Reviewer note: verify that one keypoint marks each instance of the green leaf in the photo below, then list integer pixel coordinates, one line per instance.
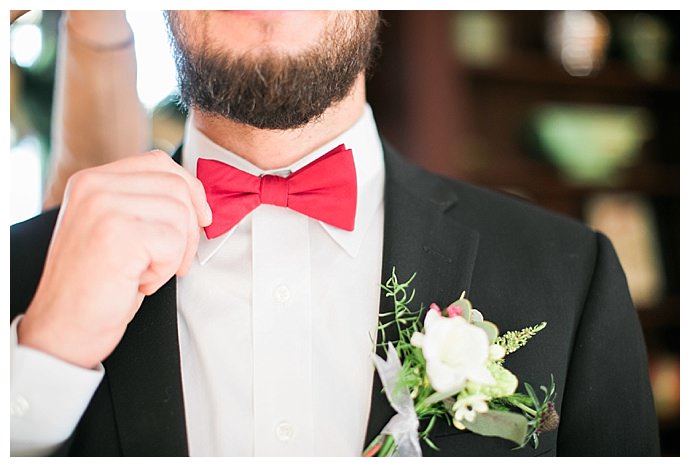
(507, 425)
(489, 328)
(535, 400)
(431, 444)
(439, 396)
(465, 306)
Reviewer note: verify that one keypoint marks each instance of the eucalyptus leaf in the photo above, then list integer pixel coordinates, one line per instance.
(465, 306)
(490, 329)
(477, 316)
(507, 425)
(439, 396)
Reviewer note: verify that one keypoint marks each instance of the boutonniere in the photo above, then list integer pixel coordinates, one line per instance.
(451, 368)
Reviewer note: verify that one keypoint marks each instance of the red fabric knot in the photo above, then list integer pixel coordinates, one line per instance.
(325, 190)
(274, 190)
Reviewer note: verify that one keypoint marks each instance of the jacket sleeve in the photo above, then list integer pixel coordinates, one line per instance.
(607, 407)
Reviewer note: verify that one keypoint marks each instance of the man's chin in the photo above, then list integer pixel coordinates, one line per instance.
(270, 91)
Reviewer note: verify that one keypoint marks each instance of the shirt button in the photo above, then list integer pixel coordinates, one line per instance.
(19, 406)
(281, 294)
(284, 431)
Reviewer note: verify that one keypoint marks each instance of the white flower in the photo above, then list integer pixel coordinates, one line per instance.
(468, 407)
(455, 352)
(496, 352)
(417, 339)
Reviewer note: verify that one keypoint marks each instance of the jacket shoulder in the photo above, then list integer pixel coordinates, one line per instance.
(488, 211)
(494, 208)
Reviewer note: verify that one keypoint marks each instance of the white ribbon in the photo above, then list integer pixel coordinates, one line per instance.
(404, 425)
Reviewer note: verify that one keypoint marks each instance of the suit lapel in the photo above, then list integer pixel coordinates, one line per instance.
(420, 236)
(145, 380)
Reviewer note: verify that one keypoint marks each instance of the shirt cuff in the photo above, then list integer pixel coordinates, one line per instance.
(48, 396)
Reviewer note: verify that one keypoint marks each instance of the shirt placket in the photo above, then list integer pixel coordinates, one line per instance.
(281, 330)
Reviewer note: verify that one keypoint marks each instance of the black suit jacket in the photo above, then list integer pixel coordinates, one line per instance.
(519, 265)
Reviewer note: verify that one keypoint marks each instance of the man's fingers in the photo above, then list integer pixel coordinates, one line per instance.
(155, 161)
(144, 184)
(154, 232)
(166, 250)
(123, 231)
(145, 188)
(192, 247)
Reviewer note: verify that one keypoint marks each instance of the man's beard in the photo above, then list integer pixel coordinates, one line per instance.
(272, 91)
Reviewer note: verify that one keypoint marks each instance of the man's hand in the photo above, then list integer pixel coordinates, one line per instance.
(100, 28)
(124, 230)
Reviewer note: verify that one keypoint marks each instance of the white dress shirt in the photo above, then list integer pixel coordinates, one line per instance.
(276, 320)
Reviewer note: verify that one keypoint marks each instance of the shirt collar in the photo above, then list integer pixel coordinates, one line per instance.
(362, 138)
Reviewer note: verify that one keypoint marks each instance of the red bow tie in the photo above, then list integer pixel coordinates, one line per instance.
(325, 190)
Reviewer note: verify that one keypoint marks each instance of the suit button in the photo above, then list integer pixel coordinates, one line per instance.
(284, 431)
(19, 406)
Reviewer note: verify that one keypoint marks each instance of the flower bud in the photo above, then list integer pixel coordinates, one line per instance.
(549, 419)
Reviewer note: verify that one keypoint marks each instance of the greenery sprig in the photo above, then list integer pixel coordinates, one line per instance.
(513, 340)
(484, 400)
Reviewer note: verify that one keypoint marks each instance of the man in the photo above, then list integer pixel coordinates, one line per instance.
(253, 337)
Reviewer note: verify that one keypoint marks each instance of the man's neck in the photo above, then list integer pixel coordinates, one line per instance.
(274, 149)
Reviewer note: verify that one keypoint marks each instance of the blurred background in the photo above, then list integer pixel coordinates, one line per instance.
(577, 111)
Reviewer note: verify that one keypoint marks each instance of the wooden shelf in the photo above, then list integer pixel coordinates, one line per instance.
(539, 70)
(664, 314)
(542, 179)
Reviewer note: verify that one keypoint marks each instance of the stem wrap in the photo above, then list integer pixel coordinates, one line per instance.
(404, 425)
